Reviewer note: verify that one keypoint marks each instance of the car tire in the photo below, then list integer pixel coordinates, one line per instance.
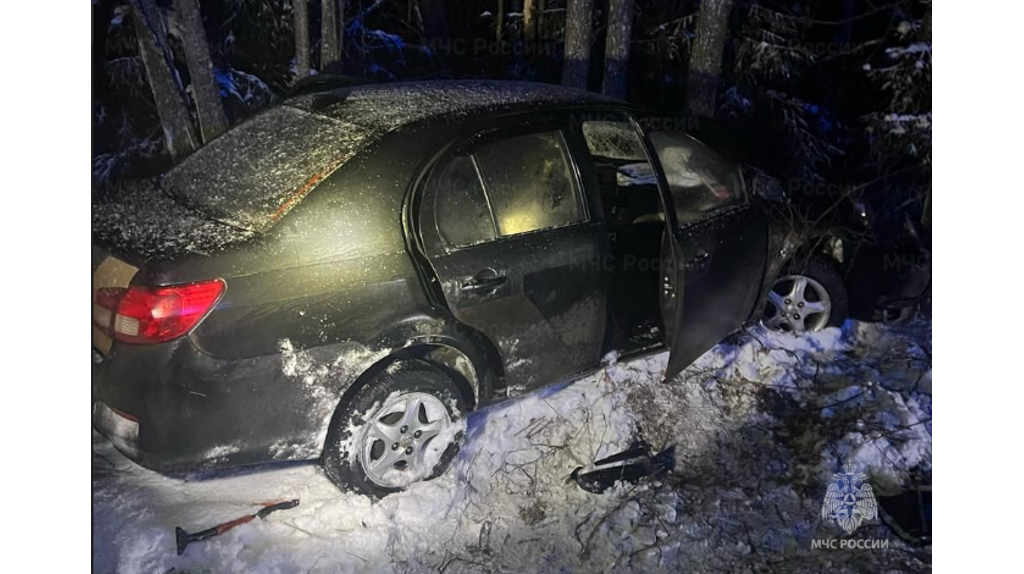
(787, 301)
(356, 454)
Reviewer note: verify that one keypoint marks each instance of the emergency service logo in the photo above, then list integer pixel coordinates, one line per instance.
(849, 500)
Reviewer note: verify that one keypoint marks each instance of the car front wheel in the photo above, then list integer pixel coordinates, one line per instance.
(404, 426)
(810, 299)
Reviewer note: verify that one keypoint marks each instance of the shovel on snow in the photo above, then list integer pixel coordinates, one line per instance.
(184, 538)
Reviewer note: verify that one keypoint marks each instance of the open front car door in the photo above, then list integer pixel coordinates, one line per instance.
(714, 248)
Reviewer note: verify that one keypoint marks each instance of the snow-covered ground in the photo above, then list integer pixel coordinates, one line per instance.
(760, 424)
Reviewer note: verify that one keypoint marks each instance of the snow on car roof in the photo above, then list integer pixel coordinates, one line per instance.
(256, 172)
(389, 106)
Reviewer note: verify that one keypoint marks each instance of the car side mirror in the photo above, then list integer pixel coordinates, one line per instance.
(768, 188)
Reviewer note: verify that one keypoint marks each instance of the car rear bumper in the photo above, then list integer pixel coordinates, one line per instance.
(122, 430)
(172, 408)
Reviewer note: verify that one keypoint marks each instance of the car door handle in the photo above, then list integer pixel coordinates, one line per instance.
(484, 282)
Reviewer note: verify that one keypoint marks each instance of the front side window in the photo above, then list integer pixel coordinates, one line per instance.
(513, 186)
(628, 184)
(700, 180)
(614, 140)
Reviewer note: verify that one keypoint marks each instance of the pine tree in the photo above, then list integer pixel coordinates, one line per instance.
(902, 130)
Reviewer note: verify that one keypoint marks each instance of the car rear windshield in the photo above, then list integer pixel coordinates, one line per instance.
(259, 170)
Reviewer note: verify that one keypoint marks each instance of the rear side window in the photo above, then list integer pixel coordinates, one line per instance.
(530, 184)
(506, 188)
(461, 207)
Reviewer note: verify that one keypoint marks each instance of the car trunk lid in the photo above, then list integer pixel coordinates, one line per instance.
(141, 225)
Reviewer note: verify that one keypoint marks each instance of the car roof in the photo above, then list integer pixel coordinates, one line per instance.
(385, 107)
(256, 172)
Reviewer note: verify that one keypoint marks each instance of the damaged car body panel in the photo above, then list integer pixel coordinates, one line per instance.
(427, 241)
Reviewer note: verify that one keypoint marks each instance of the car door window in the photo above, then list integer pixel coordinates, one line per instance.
(700, 180)
(530, 183)
(627, 183)
(513, 186)
(462, 215)
(615, 139)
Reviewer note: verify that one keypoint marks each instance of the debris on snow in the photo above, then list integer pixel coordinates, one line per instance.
(760, 423)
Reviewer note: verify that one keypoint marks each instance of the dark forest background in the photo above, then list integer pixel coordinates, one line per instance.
(833, 97)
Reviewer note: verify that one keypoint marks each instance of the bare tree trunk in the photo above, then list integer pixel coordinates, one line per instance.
(435, 18)
(577, 43)
(926, 25)
(415, 17)
(530, 21)
(847, 15)
(210, 110)
(616, 51)
(300, 21)
(499, 22)
(706, 57)
(329, 52)
(341, 30)
(179, 134)
(541, 8)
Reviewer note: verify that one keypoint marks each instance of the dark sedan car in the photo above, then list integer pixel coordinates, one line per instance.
(346, 275)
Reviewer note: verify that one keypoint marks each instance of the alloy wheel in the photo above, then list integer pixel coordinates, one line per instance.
(797, 303)
(405, 439)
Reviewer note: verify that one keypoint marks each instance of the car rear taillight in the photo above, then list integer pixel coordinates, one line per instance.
(147, 315)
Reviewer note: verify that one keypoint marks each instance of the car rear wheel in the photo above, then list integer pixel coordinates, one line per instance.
(403, 426)
(808, 300)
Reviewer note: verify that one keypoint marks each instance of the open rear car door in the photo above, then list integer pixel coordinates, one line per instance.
(714, 248)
